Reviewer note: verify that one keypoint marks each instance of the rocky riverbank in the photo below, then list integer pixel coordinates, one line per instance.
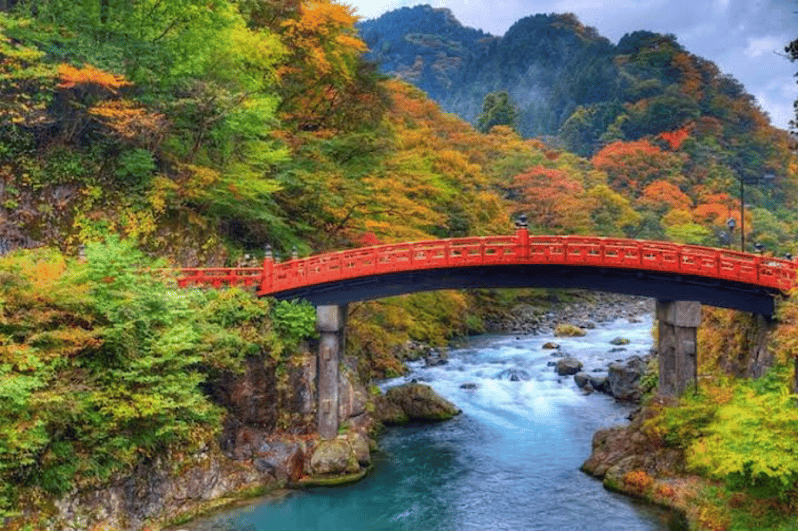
(269, 443)
(581, 309)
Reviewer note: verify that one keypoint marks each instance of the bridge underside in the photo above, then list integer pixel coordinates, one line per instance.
(662, 286)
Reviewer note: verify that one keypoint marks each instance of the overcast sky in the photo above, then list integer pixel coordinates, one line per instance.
(743, 37)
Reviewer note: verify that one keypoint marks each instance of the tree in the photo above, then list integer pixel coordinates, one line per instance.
(631, 166)
(497, 109)
(554, 200)
(792, 50)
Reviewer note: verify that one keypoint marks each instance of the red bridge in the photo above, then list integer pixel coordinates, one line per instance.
(667, 271)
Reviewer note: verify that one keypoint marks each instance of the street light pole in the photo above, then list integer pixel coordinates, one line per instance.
(731, 224)
(742, 214)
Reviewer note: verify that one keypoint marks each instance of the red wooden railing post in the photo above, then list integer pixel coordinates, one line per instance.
(522, 236)
(266, 279)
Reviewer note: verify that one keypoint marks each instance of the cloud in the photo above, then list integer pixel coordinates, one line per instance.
(758, 46)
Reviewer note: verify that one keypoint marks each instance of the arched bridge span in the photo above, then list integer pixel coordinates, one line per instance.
(666, 271)
(677, 275)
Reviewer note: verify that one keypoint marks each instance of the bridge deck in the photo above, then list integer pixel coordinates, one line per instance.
(734, 268)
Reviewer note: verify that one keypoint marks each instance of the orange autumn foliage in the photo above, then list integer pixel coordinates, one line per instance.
(664, 196)
(131, 121)
(631, 166)
(675, 139)
(552, 198)
(70, 77)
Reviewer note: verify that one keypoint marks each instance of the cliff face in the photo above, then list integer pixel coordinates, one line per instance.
(268, 442)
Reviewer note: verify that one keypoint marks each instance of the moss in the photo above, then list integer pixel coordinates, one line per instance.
(568, 330)
(331, 481)
(219, 504)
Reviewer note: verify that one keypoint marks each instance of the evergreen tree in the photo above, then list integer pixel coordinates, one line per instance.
(792, 50)
(497, 109)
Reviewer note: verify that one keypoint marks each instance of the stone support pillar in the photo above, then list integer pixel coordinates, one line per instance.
(678, 364)
(331, 325)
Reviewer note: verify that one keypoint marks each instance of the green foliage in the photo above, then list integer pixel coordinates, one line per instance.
(744, 432)
(294, 320)
(497, 109)
(101, 364)
(135, 166)
(753, 443)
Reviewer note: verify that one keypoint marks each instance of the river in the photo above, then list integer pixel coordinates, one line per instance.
(509, 462)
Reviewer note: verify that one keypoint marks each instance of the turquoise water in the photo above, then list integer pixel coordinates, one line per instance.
(509, 462)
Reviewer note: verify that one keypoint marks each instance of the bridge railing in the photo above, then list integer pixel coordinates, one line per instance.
(520, 248)
(218, 277)
(432, 254)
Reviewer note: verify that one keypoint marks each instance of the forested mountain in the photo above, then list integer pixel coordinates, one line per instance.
(661, 122)
(548, 63)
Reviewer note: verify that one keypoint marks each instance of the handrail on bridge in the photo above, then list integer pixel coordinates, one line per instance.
(519, 249)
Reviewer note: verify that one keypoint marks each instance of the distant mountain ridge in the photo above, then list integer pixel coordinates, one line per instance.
(566, 79)
(425, 46)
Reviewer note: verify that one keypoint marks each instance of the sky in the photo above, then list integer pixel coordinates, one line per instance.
(745, 38)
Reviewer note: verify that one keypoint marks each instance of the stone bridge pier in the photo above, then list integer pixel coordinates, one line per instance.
(331, 325)
(676, 345)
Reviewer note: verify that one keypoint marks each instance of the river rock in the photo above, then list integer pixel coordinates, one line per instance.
(332, 457)
(623, 379)
(283, 459)
(598, 382)
(420, 402)
(468, 385)
(581, 379)
(435, 357)
(360, 447)
(389, 412)
(514, 375)
(568, 330)
(568, 366)
(620, 341)
(412, 350)
(550, 345)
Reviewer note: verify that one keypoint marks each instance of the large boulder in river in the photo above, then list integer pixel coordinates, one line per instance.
(568, 366)
(623, 380)
(420, 402)
(334, 456)
(435, 357)
(389, 412)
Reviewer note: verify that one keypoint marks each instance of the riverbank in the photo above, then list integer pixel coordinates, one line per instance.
(253, 462)
(510, 461)
(584, 309)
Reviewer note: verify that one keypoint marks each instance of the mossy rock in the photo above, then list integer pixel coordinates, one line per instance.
(330, 480)
(420, 402)
(333, 457)
(620, 341)
(388, 412)
(568, 330)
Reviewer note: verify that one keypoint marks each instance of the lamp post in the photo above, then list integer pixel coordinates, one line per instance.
(765, 179)
(731, 223)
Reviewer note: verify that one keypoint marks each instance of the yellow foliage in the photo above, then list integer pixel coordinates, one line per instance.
(638, 481)
(130, 121)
